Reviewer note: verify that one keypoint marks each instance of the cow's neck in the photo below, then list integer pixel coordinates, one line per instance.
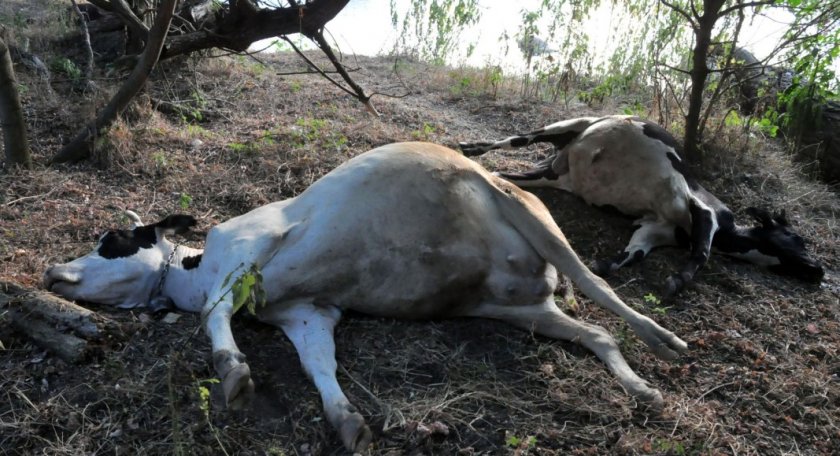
(186, 287)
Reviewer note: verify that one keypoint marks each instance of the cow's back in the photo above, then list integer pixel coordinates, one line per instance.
(613, 163)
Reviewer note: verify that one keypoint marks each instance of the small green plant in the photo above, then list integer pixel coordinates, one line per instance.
(243, 148)
(204, 395)
(295, 86)
(424, 132)
(308, 131)
(523, 443)
(732, 119)
(204, 404)
(197, 131)
(668, 447)
(657, 308)
(495, 78)
(247, 289)
(159, 158)
(184, 201)
(66, 67)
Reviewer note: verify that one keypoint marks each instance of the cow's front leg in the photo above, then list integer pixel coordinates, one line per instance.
(704, 225)
(649, 235)
(310, 328)
(228, 361)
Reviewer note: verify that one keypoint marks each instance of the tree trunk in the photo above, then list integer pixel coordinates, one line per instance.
(699, 73)
(71, 332)
(80, 147)
(11, 114)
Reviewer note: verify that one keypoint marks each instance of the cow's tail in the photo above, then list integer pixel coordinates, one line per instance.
(560, 134)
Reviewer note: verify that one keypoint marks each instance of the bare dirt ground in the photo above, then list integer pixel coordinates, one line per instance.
(761, 376)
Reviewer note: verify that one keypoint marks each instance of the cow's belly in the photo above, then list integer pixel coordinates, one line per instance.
(633, 187)
(442, 275)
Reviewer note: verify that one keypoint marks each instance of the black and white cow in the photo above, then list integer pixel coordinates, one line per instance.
(634, 165)
(409, 230)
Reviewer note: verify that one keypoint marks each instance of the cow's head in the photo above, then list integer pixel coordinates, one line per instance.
(125, 266)
(775, 239)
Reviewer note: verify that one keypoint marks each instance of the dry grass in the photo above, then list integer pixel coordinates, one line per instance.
(761, 376)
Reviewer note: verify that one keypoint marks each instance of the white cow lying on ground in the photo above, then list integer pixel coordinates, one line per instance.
(634, 165)
(409, 230)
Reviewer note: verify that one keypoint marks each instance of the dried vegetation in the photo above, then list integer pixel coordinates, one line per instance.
(761, 376)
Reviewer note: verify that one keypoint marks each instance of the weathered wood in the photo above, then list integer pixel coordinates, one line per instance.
(66, 329)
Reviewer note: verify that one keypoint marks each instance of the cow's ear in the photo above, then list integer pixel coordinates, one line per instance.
(761, 216)
(175, 224)
(134, 218)
(781, 218)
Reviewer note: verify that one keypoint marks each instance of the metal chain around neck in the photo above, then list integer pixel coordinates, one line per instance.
(159, 290)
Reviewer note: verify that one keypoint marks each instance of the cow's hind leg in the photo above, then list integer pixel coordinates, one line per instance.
(551, 172)
(649, 235)
(560, 134)
(548, 320)
(310, 328)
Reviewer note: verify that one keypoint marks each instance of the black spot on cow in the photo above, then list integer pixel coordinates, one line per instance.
(654, 131)
(124, 243)
(177, 224)
(519, 141)
(681, 237)
(534, 174)
(559, 140)
(191, 262)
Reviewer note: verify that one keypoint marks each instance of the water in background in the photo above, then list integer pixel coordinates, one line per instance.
(364, 27)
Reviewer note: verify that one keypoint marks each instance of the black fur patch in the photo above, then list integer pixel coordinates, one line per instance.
(534, 174)
(191, 262)
(178, 223)
(124, 243)
(519, 141)
(559, 140)
(654, 131)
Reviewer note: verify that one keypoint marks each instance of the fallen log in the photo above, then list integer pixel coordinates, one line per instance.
(68, 330)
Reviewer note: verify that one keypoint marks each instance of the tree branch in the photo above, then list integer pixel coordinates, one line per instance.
(243, 26)
(318, 37)
(680, 70)
(680, 11)
(12, 122)
(79, 147)
(134, 23)
(742, 6)
(88, 82)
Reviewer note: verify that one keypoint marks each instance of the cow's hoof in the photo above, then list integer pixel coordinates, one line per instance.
(603, 268)
(663, 343)
(673, 285)
(651, 400)
(238, 387)
(355, 434)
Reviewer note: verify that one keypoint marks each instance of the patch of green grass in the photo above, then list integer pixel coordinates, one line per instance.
(160, 160)
(184, 201)
(65, 66)
(318, 132)
(424, 132)
(528, 442)
(656, 304)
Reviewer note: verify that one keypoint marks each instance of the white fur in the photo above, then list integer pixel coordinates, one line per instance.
(407, 230)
